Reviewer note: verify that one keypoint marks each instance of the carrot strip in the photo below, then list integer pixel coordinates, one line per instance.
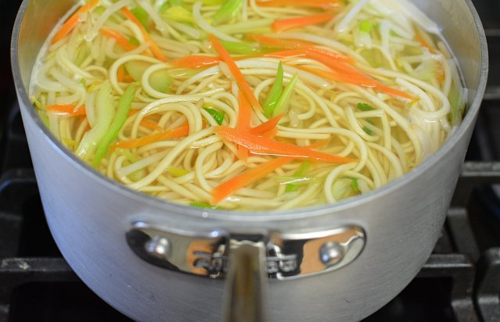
(261, 145)
(227, 188)
(196, 61)
(238, 76)
(73, 21)
(121, 40)
(152, 138)
(393, 91)
(66, 110)
(151, 125)
(280, 43)
(121, 74)
(288, 53)
(425, 44)
(268, 126)
(285, 24)
(153, 46)
(301, 3)
(243, 123)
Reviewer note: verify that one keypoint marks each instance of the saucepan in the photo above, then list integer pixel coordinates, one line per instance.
(154, 260)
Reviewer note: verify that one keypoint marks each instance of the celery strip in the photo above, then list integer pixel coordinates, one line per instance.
(205, 206)
(105, 112)
(179, 14)
(141, 15)
(228, 11)
(365, 107)
(274, 93)
(302, 170)
(285, 98)
(241, 48)
(124, 106)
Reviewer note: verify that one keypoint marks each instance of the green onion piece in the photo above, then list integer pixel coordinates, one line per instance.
(141, 15)
(366, 26)
(285, 98)
(124, 106)
(302, 170)
(367, 130)
(218, 116)
(228, 11)
(177, 172)
(354, 185)
(365, 107)
(205, 206)
(274, 93)
(241, 48)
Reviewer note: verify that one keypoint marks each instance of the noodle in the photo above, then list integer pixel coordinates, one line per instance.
(374, 87)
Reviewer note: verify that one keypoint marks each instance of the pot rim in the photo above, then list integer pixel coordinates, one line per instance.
(242, 215)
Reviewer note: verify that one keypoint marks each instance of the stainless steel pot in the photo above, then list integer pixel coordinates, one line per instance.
(337, 262)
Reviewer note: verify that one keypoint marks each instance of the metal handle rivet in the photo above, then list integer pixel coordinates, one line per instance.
(158, 247)
(331, 253)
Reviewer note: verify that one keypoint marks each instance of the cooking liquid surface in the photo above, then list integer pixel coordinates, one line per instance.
(146, 96)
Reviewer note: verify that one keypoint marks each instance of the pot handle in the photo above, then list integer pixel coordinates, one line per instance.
(246, 282)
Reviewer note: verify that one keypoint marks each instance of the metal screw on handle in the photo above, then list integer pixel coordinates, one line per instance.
(246, 281)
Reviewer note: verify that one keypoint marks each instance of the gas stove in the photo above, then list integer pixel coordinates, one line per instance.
(459, 282)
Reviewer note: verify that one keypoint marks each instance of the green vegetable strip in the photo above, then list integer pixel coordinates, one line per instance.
(354, 185)
(366, 26)
(104, 116)
(365, 107)
(274, 93)
(142, 16)
(285, 98)
(241, 48)
(228, 11)
(177, 172)
(204, 206)
(218, 116)
(124, 106)
(301, 171)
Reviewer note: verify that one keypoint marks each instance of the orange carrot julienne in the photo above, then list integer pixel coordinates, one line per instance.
(268, 126)
(265, 146)
(154, 48)
(66, 110)
(121, 74)
(280, 43)
(285, 24)
(424, 43)
(393, 92)
(152, 138)
(338, 66)
(151, 125)
(301, 3)
(238, 76)
(121, 40)
(287, 53)
(196, 61)
(243, 122)
(73, 21)
(227, 188)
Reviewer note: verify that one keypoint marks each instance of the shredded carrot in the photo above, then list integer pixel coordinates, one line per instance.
(301, 3)
(285, 24)
(425, 44)
(196, 61)
(334, 64)
(243, 124)
(121, 74)
(73, 21)
(238, 76)
(151, 125)
(227, 188)
(265, 146)
(121, 40)
(280, 43)
(66, 110)
(268, 126)
(393, 92)
(330, 54)
(152, 138)
(153, 46)
(288, 53)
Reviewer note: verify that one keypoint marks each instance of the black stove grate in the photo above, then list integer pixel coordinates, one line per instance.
(460, 281)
